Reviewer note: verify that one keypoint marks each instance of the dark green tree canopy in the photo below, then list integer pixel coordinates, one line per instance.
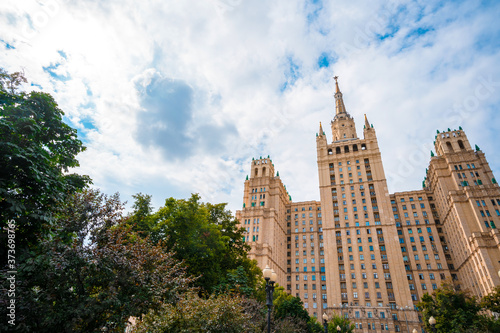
(454, 310)
(93, 272)
(205, 236)
(37, 149)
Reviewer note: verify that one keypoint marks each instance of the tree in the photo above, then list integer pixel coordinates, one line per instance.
(222, 313)
(93, 271)
(140, 218)
(491, 301)
(341, 321)
(454, 310)
(37, 149)
(207, 237)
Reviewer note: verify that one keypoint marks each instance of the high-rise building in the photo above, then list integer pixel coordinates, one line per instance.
(367, 254)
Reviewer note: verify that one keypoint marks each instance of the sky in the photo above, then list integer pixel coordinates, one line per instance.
(176, 97)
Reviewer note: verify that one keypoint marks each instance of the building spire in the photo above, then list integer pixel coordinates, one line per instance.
(339, 102)
(320, 129)
(367, 124)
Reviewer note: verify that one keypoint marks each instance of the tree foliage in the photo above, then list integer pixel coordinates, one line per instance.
(491, 301)
(341, 321)
(454, 310)
(207, 237)
(93, 271)
(222, 313)
(37, 149)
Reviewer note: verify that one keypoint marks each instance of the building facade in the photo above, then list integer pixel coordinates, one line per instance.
(363, 252)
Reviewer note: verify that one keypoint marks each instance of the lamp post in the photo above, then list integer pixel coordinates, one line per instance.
(339, 329)
(270, 277)
(325, 322)
(432, 322)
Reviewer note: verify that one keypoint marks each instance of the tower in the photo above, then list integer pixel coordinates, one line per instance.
(468, 201)
(364, 266)
(263, 216)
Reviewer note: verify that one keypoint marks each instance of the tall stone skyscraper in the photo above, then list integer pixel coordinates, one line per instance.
(367, 254)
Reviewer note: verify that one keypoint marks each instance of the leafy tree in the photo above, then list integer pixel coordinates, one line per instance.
(236, 281)
(222, 313)
(292, 307)
(93, 271)
(140, 218)
(37, 149)
(454, 310)
(314, 326)
(344, 323)
(290, 325)
(207, 237)
(492, 301)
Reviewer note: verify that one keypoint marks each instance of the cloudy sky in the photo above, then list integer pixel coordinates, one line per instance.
(176, 97)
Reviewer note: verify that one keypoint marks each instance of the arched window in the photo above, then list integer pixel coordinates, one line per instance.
(337, 150)
(330, 152)
(256, 172)
(346, 149)
(461, 144)
(354, 147)
(449, 146)
(363, 146)
(263, 171)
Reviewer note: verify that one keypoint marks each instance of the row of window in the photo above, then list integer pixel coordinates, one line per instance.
(415, 214)
(408, 222)
(469, 166)
(313, 269)
(429, 266)
(487, 213)
(304, 237)
(374, 266)
(364, 275)
(248, 221)
(321, 253)
(303, 209)
(312, 260)
(362, 257)
(306, 286)
(372, 326)
(338, 150)
(311, 229)
(338, 233)
(403, 200)
(305, 277)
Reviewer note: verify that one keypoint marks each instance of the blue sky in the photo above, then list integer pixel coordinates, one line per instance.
(176, 97)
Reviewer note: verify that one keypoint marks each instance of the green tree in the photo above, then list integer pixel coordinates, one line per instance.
(454, 310)
(37, 149)
(140, 218)
(207, 238)
(222, 313)
(491, 301)
(93, 271)
(341, 321)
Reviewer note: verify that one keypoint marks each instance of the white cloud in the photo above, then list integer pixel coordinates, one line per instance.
(406, 64)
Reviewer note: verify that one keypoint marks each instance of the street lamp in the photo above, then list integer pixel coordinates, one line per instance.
(338, 328)
(270, 277)
(432, 322)
(325, 322)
